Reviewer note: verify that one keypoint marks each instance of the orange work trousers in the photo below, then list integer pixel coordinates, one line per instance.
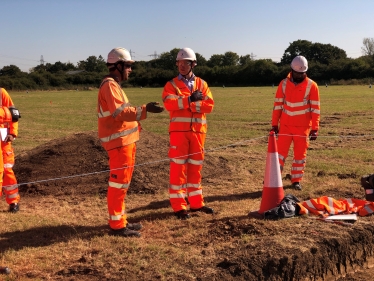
(121, 164)
(186, 153)
(299, 137)
(10, 186)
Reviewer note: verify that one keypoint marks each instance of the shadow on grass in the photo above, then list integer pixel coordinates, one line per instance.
(208, 199)
(45, 236)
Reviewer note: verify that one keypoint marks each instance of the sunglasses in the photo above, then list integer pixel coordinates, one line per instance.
(125, 65)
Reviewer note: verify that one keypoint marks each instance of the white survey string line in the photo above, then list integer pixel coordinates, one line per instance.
(167, 159)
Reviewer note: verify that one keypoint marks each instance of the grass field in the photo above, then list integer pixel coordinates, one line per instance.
(169, 249)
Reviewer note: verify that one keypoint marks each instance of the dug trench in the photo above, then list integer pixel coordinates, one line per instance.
(301, 248)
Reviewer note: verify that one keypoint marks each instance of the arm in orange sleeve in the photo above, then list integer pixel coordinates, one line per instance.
(206, 105)
(172, 99)
(315, 106)
(7, 101)
(278, 106)
(119, 106)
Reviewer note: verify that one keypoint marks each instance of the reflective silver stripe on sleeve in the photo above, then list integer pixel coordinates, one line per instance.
(180, 103)
(119, 134)
(102, 113)
(278, 107)
(198, 105)
(8, 165)
(316, 111)
(118, 185)
(120, 109)
(138, 113)
(278, 99)
(314, 102)
(302, 161)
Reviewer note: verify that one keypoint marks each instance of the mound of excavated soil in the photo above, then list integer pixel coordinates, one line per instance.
(77, 164)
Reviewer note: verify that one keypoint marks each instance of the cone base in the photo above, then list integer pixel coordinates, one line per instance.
(271, 198)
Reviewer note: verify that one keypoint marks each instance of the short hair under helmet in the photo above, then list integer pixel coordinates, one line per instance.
(119, 54)
(299, 64)
(186, 54)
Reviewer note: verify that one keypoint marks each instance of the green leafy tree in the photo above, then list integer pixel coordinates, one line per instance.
(215, 60)
(230, 59)
(11, 70)
(317, 52)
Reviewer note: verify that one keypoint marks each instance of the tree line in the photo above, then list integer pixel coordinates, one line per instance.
(327, 65)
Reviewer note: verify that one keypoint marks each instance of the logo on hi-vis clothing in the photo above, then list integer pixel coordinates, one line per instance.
(113, 176)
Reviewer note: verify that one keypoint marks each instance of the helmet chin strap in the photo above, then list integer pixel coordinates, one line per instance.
(121, 71)
(188, 71)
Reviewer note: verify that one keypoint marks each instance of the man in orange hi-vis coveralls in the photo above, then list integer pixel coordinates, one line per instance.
(10, 187)
(188, 99)
(296, 116)
(118, 130)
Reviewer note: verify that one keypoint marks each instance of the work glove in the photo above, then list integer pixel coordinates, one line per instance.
(275, 130)
(195, 96)
(154, 107)
(313, 135)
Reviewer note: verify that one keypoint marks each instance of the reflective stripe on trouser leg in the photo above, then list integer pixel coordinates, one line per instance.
(121, 164)
(194, 167)
(301, 144)
(10, 186)
(178, 152)
(283, 143)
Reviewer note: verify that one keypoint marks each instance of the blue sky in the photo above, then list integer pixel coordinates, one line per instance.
(73, 30)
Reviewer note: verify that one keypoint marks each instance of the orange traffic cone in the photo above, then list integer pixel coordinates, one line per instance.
(272, 192)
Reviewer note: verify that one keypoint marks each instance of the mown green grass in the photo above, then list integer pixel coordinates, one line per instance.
(171, 249)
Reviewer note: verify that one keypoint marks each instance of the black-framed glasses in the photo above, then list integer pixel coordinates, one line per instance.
(127, 65)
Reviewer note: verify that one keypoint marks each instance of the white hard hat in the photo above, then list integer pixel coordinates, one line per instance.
(186, 54)
(299, 64)
(119, 54)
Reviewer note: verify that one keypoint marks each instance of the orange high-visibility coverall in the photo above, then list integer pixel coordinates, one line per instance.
(10, 186)
(297, 111)
(325, 206)
(118, 132)
(5, 118)
(187, 130)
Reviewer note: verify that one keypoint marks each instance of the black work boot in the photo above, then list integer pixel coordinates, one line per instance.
(125, 232)
(182, 215)
(204, 209)
(134, 226)
(296, 185)
(14, 207)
